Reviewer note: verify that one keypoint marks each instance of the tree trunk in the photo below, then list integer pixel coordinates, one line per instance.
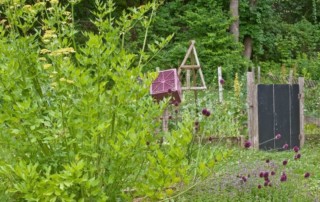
(247, 46)
(234, 28)
(248, 41)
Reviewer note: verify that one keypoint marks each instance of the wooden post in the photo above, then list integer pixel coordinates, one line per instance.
(254, 74)
(259, 74)
(195, 92)
(165, 120)
(301, 98)
(220, 84)
(188, 78)
(290, 77)
(252, 110)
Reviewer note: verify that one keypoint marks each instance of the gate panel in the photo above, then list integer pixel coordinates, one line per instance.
(265, 114)
(278, 113)
(295, 116)
(282, 115)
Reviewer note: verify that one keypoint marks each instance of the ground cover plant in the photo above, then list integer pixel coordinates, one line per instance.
(263, 176)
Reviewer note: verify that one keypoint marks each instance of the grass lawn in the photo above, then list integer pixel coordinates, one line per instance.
(237, 178)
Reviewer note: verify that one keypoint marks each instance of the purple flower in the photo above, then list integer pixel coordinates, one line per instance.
(196, 123)
(206, 112)
(266, 184)
(247, 144)
(273, 173)
(259, 186)
(221, 81)
(297, 156)
(244, 178)
(285, 162)
(306, 175)
(170, 117)
(278, 136)
(169, 90)
(285, 146)
(261, 174)
(266, 175)
(267, 161)
(283, 177)
(210, 139)
(296, 149)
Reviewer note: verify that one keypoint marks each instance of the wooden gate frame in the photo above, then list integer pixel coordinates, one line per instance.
(252, 103)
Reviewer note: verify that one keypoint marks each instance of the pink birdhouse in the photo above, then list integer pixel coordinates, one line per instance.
(167, 84)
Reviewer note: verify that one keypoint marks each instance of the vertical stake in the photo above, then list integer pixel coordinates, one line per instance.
(259, 75)
(220, 85)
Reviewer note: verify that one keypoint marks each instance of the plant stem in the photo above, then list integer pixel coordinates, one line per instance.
(146, 34)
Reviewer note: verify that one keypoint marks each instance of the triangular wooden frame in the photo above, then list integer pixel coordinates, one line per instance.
(194, 68)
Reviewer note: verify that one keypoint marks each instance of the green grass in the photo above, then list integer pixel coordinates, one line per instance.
(224, 185)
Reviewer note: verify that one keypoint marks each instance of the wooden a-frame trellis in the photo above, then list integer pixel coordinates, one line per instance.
(193, 69)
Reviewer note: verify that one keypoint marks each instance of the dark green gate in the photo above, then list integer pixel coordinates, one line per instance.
(278, 112)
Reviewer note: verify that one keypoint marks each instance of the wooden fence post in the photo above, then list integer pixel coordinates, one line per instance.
(165, 120)
(290, 77)
(259, 74)
(252, 110)
(220, 84)
(301, 102)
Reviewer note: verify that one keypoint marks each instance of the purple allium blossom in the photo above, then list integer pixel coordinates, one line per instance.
(221, 81)
(306, 175)
(206, 112)
(210, 139)
(267, 161)
(273, 173)
(283, 177)
(297, 156)
(296, 149)
(170, 117)
(247, 144)
(261, 174)
(244, 178)
(285, 162)
(266, 175)
(285, 146)
(266, 183)
(259, 186)
(278, 136)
